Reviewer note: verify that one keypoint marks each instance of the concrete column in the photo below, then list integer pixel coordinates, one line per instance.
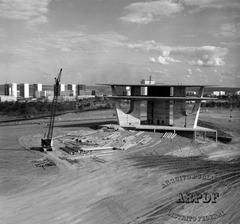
(198, 106)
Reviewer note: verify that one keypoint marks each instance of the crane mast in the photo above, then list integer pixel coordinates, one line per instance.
(47, 142)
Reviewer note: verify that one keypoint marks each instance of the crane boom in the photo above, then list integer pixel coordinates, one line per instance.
(47, 140)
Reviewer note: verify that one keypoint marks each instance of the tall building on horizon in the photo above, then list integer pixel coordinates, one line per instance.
(62, 87)
(10, 89)
(72, 87)
(80, 88)
(37, 88)
(24, 90)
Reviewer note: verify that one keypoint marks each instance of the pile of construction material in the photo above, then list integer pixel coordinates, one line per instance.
(104, 141)
(70, 150)
(86, 143)
(136, 139)
(128, 142)
(145, 140)
(43, 163)
(169, 135)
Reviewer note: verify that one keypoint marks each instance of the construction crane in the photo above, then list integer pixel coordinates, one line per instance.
(47, 142)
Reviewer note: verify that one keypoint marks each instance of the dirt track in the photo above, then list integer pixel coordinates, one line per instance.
(130, 187)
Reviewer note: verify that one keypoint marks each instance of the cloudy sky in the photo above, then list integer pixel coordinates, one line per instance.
(97, 41)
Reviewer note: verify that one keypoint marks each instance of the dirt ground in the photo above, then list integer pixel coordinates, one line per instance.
(141, 185)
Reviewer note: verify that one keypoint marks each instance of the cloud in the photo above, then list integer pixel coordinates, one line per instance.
(189, 71)
(164, 60)
(170, 59)
(2, 33)
(37, 21)
(231, 44)
(68, 49)
(146, 12)
(198, 5)
(77, 41)
(31, 11)
(214, 61)
(198, 70)
(230, 30)
(145, 45)
(152, 59)
(194, 6)
(201, 56)
(209, 56)
(91, 53)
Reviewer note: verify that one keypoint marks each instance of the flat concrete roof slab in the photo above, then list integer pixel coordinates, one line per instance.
(161, 98)
(169, 128)
(151, 85)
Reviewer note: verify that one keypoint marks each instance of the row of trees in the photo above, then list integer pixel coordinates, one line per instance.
(222, 104)
(32, 109)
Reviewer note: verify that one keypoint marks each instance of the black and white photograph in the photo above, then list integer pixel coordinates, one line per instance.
(119, 111)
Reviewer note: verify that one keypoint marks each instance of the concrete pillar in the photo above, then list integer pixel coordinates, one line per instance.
(198, 107)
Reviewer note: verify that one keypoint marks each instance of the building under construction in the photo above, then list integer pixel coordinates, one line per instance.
(165, 108)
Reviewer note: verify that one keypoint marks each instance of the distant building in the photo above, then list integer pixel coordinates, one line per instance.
(85, 97)
(79, 88)
(47, 87)
(219, 93)
(62, 87)
(24, 90)
(66, 98)
(128, 89)
(36, 89)
(66, 93)
(10, 89)
(85, 93)
(4, 98)
(145, 82)
(237, 93)
(42, 94)
(49, 98)
(49, 93)
(191, 93)
(72, 87)
(148, 82)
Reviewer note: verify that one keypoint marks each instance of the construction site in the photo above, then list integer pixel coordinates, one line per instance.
(105, 141)
(119, 166)
(165, 104)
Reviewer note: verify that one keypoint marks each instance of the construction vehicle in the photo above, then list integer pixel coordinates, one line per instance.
(47, 141)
